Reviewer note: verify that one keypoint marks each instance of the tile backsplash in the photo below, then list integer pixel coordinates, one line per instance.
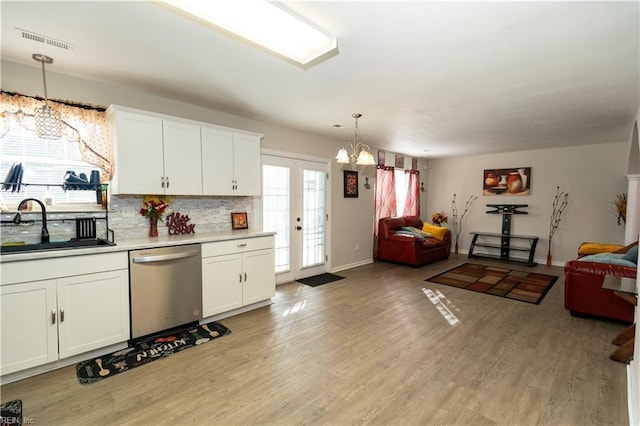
(209, 214)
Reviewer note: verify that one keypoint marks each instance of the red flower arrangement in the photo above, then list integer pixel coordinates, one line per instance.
(439, 217)
(154, 208)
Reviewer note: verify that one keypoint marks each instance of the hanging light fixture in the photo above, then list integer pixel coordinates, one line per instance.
(48, 121)
(360, 152)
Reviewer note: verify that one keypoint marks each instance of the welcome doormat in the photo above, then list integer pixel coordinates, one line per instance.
(11, 412)
(525, 286)
(143, 352)
(317, 280)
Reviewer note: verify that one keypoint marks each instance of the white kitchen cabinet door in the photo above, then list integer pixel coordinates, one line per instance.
(138, 154)
(221, 284)
(217, 162)
(230, 163)
(246, 164)
(28, 335)
(259, 276)
(182, 168)
(93, 311)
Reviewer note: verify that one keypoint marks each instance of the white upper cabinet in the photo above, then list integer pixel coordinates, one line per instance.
(181, 147)
(239, 173)
(156, 154)
(217, 176)
(138, 153)
(246, 164)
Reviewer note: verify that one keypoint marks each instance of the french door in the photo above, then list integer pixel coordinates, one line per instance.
(294, 205)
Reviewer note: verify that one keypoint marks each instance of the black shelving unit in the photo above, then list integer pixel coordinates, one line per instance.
(505, 243)
(101, 199)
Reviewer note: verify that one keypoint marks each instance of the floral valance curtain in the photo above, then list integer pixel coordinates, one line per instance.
(87, 126)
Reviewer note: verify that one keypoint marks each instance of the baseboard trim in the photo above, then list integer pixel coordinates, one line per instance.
(45, 368)
(352, 265)
(538, 261)
(237, 311)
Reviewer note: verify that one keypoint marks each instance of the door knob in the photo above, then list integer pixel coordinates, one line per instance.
(299, 228)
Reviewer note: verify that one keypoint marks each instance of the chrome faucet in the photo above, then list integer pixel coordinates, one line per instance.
(44, 235)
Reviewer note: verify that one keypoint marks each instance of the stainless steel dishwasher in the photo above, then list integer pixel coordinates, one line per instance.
(166, 288)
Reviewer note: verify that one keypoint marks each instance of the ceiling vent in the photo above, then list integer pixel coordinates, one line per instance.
(42, 39)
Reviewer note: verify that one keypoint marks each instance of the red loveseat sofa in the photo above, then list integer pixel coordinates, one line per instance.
(402, 248)
(584, 295)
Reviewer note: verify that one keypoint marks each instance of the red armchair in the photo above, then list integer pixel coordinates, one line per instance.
(584, 295)
(406, 249)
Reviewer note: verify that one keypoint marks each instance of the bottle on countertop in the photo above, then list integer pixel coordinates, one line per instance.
(48, 198)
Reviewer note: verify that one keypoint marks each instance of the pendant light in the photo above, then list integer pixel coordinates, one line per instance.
(48, 121)
(360, 152)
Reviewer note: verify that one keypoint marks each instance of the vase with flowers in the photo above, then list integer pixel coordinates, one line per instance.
(153, 208)
(439, 218)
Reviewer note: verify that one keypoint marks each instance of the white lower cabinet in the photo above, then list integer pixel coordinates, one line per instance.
(29, 332)
(237, 273)
(93, 311)
(51, 319)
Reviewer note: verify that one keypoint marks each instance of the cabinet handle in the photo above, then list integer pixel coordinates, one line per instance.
(245, 277)
(162, 181)
(240, 278)
(61, 314)
(241, 245)
(53, 316)
(167, 182)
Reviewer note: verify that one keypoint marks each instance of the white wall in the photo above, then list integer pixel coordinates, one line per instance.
(591, 174)
(633, 370)
(351, 218)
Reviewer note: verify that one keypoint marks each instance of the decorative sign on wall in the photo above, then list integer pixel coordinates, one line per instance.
(350, 184)
(399, 161)
(177, 224)
(514, 181)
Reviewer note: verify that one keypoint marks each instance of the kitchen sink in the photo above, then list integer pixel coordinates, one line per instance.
(56, 245)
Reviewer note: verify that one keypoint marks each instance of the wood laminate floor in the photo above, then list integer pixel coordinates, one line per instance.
(372, 348)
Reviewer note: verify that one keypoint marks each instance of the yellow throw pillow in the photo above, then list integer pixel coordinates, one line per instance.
(437, 231)
(421, 232)
(595, 248)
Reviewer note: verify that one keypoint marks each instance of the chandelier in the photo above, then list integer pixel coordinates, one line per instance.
(48, 122)
(360, 152)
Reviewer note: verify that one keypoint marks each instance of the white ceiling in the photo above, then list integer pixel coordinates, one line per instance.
(431, 79)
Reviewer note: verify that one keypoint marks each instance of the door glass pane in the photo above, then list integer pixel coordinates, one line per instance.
(276, 211)
(313, 222)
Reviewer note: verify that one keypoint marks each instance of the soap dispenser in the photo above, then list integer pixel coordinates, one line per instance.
(48, 198)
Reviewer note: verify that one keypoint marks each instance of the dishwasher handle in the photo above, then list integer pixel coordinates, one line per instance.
(163, 257)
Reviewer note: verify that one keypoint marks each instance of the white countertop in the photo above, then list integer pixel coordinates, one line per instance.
(124, 244)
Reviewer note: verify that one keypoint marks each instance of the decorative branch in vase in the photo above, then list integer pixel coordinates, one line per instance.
(559, 204)
(458, 224)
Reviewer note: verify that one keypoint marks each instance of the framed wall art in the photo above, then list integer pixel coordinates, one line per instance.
(513, 181)
(350, 184)
(239, 221)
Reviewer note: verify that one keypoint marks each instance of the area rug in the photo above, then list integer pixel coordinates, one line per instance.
(11, 412)
(514, 284)
(317, 280)
(143, 352)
